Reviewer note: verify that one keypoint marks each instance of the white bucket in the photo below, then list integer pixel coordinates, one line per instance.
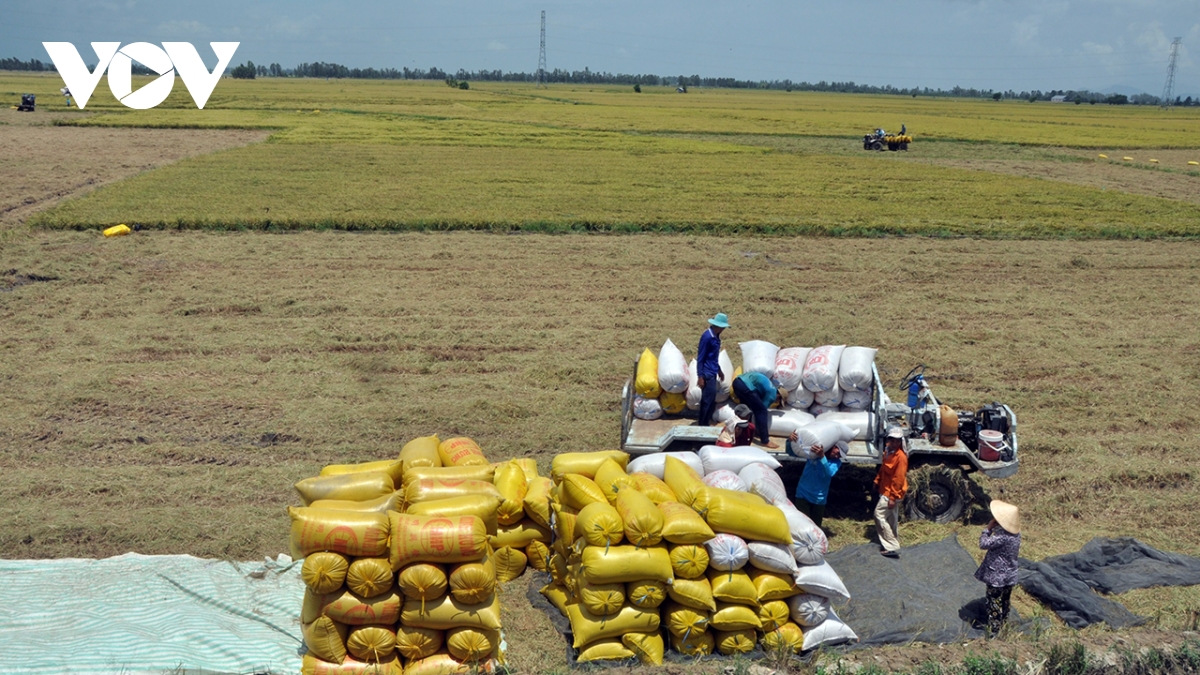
(991, 444)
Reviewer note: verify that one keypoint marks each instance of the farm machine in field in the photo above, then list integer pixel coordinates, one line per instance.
(881, 140)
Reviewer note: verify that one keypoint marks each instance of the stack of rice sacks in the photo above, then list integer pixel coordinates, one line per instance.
(402, 557)
(832, 383)
(668, 384)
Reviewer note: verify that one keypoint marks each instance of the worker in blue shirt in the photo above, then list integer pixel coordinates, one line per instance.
(708, 367)
(813, 489)
(757, 391)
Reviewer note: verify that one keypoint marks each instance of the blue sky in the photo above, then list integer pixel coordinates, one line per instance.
(988, 44)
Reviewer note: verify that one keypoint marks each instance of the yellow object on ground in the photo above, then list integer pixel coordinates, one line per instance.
(1127, 159)
(735, 587)
(529, 466)
(600, 525)
(520, 535)
(587, 627)
(1193, 163)
(537, 500)
(472, 583)
(611, 649)
(356, 610)
(482, 506)
(682, 525)
(510, 563)
(538, 553)
(117, 230)
(648, 647)
(643, 520)
(417, 643)
(620, 564)
(461, 451)
(789, 637)
(686, 485)
(745, 515)
(695, 644)
(432, 489)
(672, 404)
(388, 502)
(683, 620)
(584, 463)
(438, 664)
(436, 540)
(578, 491)
(510, 481)
(483, 472)
(325, 639)
(558, 596)
(369, 576)
(773, 585)
(422, 581)
(447, 612)
(652, 487)
(311, 665)
(324, 572)
(646, 594)
(730, 617)
(421, 452)
(355, 487)
(392, 467)
(371, 643)
(694, 593)
(311, 606)
(735, 641)
(646, 383)
(611, 479)
(565, 524)
(1103, 156)
(773, 614)
(471, 644)
(602, 599)
(347, 532)
(689, 561)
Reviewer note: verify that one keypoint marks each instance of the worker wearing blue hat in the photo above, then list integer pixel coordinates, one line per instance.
(708, 366)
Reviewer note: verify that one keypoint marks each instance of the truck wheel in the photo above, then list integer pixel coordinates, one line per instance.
(937, 494)
(877, 146)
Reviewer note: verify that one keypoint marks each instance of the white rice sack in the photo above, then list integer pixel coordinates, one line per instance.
(823, 433)
(854, 370)
(829, 397)
(789, 364)
(799, 399)
(758, 356)
(831, 631)
(647, 408)
(809, 543)
(771, 557)
(821, 580)
(734, 459)
(654, 464)
(727, 381)
(727, 552)
(723, 478)
(764, 482)
(784, 422)
(856, 400)
(807, 609)
(860, 422)
(820, 368)
(722, 415)
(816, 409)
(672, 369)
(694, 392)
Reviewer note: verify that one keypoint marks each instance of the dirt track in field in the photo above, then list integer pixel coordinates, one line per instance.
(45, 164)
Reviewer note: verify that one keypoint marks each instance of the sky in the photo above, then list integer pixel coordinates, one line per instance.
(986, 44)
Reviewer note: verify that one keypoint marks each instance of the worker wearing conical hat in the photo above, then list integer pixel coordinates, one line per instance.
(1002, 541)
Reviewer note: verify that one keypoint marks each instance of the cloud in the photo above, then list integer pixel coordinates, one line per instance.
(1026, 30)
(184, 30)
(1093, 48)
(497, 46)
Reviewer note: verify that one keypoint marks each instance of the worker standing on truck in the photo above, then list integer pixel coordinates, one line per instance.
(756, 391)
(708, 366)
(892, 483)
(813, 489)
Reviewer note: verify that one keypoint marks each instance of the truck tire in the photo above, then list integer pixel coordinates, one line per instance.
(877, 146)
(937, 494)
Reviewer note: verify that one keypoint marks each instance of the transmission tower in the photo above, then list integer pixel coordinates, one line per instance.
(541, 74)
(1169, 87)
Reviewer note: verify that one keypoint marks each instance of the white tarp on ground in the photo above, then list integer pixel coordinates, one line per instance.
(150, 614)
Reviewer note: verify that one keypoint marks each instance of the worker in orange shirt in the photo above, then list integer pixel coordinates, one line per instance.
(892, 483)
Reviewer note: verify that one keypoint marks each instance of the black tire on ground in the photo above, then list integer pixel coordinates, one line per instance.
(936, 493)
(877, 146)
(904, 147)
(893, 146)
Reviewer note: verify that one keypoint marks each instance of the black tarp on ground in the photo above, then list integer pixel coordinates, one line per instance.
(1071, 599)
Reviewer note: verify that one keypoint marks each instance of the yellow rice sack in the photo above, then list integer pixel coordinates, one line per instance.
(588, 627)
(735, 641)
(734, 587)
(422, 581)
(388, 502)
(558, 596)
(392, 467)
(773, 585)
(537, 500)
(483, 472)
(528, 466)
(584, 463)
(417, 643)
(471, 644)
(355, 487)
(620, 564)
(324, 572)
(773, 614)
(652, 487)
(369, 576)
(438, 664)
(447, 612)
(558, 568)
(435, 540)
(355, 610)
(325, 639)
(432, 489)
(420, 452)
(730, 617)
(311, 606)
(683, 620)
(646, 382)
(648, 647)
(578, 491)
(646, 594)
(694, 644)
(538, 554)
(520, 535)
(788, 637)
(372, 643)
(565, 525)
(689, 561)
(510, 481)
(694, 593)
(686, 485)
(611, 478)
(602, 599)
(461, 452)
(611, 649)
(311, 665)
(473, 583)
(672, 404)
(747, 516)
(682, 525)
(510, 563)
(643, 520)
(481, 506)
(346, 532)
(599, 525)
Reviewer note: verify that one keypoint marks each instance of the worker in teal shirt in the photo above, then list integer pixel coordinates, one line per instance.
(756, 391)
(813, 489)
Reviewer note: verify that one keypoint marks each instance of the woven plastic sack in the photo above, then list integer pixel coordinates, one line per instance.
(483, 507)
(646, 383)
(346, 532)
(417, 643)
(724, 479)
(355, 610)
(324, 572)
(510, 481)
(784, 422)
(611, 479)
(433, 489)
(471, 644)
(816, 409)
(435, 540)
(746, 515)
(654, 464)
(831, 631)
(735, 641)
(854, 368)
(716, 458)
(654, 488)
(830, 397)
(689, 561)
(388, 502)
(420, 452)
(823, 433)
(584, 463)
(726, 383)
(857, 400)
(461, 451)
(682, 525)
(447, 612)
(686, 484)
(772, 557)
(861, 423)
(772, 614)
(311, 665)
(672, 404)
(483, 472)
(799, 399)
(422, 581)
(672, 369)
(392, 467)
(773, 586)
(369, 577)
(762, 480)
(787, 638)
(438, 664)
(646, 594)
(694, 392)
(647, 647)
(558, 596)
(537, 500)
(600, 525)
(578, 491)
(326, 639)
(472, 583)
(758, 356)
(821, 368)
(789, 364)
(610, 649)
(602, 599)
(621, 564)
(510, 563)
(733, 587)
(355, 487)
(735, 617)
(693, 644)
(539, 556)
(727, 552)
(821, 580)
(809, 543)
(565, 524)
(587, 627)
(682, 620)
(371, 643)
(807, 609)
(520, 535)
(694, 593)
(721, 416)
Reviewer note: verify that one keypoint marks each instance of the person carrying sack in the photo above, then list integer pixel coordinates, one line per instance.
(1001, 538)
(756, 391)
